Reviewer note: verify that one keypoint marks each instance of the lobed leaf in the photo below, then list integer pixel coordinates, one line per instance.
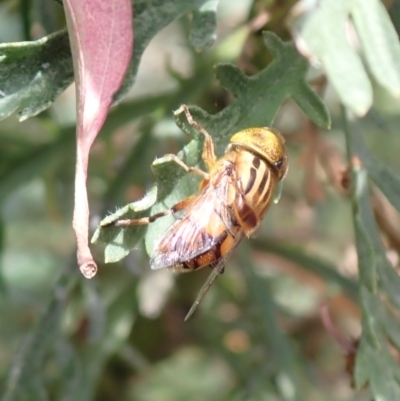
(374, 362)
(258, 99)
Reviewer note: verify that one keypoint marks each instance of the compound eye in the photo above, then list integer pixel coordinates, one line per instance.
(279, 163)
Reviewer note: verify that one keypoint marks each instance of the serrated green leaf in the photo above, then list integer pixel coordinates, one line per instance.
(370, 322)
(367, 238)
(379, 369)
(390, 280)
(258, 99)
(371, 253)
(121, 240)
(33, 74)
(204, 29)
(366, 257)
(379, 41)
(375, 364)
(384, 178)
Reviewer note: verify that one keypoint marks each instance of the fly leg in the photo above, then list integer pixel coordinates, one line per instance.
(219, 269)
(147, 220)
(208, 154)
(187, 168)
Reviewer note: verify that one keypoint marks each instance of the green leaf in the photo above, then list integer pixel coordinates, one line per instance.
(317, 266)
(379, 42)
(150, 17)
(258, 99)
(204, 30)
(118, 239)
(27, 363)
(33, 74)
(117, 328)
(313, 25)
(3, 287)
(313, 34)
(282, 351)
(384, 178)
(374, 363)
(371, 252)
(379, 369)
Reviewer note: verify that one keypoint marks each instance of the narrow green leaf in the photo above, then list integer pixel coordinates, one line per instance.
(282, 350)
(119, 322)
(26, 366)
(366, 256)
(370, 322)
(312, 106)
(204, 30)
(3, 287)
(313, 34)
(367, 237)
(384, 178)
(379, 369)
(375, 364)
(379, 41)
(371, 252)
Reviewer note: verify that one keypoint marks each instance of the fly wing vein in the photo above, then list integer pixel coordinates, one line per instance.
(199, 228)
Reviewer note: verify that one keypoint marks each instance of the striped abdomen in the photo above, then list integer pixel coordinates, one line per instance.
(256, 182)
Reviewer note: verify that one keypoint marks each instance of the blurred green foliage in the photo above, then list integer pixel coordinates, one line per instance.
(332, 243)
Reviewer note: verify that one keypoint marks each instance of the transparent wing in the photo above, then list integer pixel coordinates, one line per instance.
(199, 229)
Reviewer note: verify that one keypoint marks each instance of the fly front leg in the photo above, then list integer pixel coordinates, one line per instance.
(208, 154)
(183, 204)
(187, 168)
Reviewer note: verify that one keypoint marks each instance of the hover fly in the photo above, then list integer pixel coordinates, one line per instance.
(234, 196)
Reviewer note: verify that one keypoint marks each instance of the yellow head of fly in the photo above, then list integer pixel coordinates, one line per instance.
(267, 143)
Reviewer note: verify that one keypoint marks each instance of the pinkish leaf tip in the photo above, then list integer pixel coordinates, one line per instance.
(88, 269)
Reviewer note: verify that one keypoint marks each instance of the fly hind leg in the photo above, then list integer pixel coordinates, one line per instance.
(147, 220)
(208, 154)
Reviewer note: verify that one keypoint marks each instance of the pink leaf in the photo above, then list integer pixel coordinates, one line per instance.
(101, 37)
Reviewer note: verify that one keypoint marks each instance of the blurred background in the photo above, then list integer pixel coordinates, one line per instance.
(268, 325)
